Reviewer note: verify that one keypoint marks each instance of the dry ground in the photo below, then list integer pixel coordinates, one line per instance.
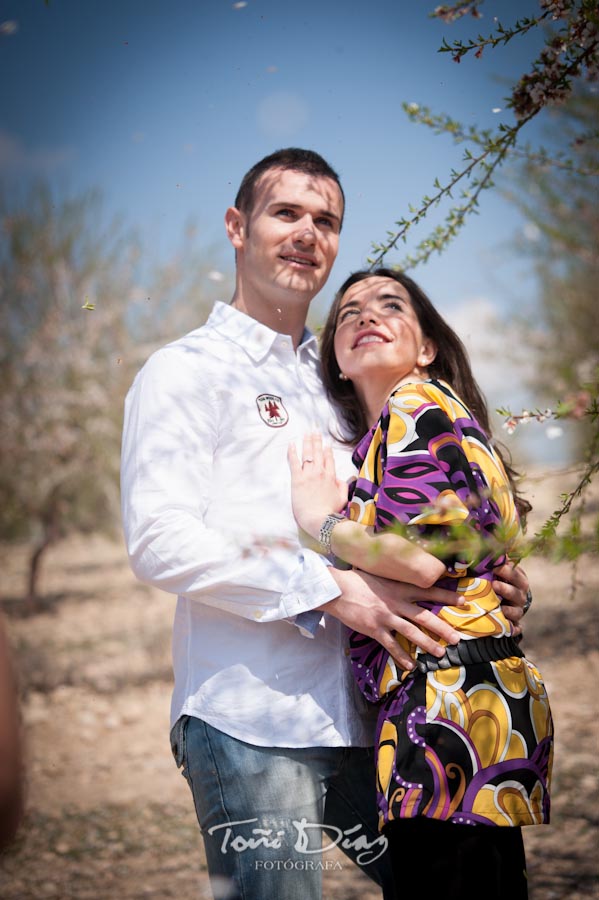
(108, 815)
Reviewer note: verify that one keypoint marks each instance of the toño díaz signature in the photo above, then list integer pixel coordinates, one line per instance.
(366, 851)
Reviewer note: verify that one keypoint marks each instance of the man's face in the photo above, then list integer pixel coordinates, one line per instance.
(289, 240)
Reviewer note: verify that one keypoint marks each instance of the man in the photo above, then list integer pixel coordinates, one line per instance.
(268, 726)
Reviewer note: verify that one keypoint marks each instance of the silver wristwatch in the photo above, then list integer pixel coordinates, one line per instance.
(326, 530)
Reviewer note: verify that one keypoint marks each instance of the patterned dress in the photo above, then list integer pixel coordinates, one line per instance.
(468, 744)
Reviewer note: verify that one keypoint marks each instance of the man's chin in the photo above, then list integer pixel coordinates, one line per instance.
(303, 281)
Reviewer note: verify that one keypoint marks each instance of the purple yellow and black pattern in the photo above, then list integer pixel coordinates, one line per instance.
(469, 744)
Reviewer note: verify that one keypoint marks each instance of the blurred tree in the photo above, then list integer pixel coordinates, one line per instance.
(75, 322)
(560, 200)
(570, 54)
(569, 58)
(560, 197)
(61, 379)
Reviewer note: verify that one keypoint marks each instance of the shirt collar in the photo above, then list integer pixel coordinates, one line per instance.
(255, 338)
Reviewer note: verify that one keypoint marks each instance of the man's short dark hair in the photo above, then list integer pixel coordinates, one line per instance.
(293, 158)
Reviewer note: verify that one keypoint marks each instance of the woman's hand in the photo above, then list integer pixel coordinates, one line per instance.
(315, 488)
(511, 584)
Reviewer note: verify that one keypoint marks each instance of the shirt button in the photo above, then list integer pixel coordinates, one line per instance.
(346, 651)
(258, 614)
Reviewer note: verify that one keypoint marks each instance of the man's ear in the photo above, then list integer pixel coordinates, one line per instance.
(235, 226)
(428, 352)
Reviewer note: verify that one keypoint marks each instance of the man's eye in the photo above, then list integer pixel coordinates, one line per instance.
(285, 212)
(324, 221)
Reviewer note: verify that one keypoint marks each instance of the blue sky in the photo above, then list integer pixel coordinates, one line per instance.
(164, 104)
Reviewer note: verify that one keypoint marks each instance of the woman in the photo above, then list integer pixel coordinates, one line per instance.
(463, 744)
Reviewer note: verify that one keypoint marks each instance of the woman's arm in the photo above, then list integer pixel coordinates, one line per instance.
(389, 555)
(316, 492)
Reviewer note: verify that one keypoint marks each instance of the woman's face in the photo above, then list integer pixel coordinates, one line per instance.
(378, 335)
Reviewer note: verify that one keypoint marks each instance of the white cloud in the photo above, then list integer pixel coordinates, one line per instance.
(531, 232)
(498, 356)
(502, 365)
(15, 156)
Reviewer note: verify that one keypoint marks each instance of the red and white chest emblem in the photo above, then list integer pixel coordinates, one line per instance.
(272, 411)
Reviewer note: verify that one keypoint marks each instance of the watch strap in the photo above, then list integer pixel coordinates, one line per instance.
(326, 530)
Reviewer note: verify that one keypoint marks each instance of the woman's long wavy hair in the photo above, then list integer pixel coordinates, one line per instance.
(451, 364)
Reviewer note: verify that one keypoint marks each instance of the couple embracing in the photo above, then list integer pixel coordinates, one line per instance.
(345, 659)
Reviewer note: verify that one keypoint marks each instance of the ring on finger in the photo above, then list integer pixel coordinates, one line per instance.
(528, 603)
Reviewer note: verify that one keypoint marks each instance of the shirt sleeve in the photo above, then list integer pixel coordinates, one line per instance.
(170, 437)
(428, 484)
(434, 484)
(308, 622)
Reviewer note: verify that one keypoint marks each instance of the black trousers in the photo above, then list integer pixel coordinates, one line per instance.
(431, 858)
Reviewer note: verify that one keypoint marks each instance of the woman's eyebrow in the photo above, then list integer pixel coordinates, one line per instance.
(348, 304)
(390, 296)
(385, 296)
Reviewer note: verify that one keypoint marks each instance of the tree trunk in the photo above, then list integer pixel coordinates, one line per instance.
(50, 536)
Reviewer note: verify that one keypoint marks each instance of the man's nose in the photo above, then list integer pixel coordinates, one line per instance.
(306, 232)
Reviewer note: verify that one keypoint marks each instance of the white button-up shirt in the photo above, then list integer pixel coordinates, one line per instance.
(207, 516)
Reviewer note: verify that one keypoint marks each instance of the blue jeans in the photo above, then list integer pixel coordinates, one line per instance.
(262, 812)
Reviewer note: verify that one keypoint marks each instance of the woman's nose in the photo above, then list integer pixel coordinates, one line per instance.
(367, 314)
